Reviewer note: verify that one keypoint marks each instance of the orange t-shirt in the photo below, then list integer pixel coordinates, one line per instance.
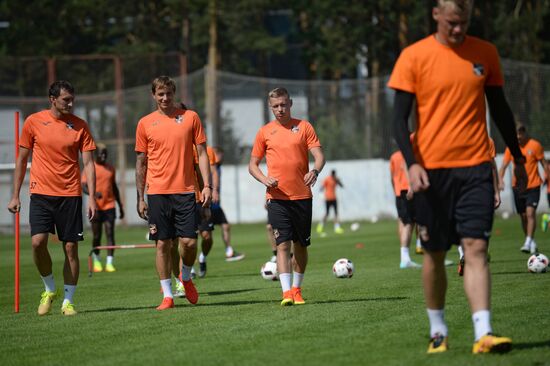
(492, 150)
(55, 144)
(398, 170)
(286, 151)
(533, 153)
(449, 87)
(168, 142)
(104, 182)
(329, 185)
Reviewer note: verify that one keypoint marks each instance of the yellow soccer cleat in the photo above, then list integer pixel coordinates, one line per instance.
(438, 344)
(98, 267)
(68, 309)
(492, 344)
(288, 299)
(338, 230)
(109, 268)
(297, 296)
(46, 300)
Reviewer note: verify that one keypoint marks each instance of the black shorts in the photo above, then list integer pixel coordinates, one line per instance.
(50, 213)
(171, 216)
(218, 216)
(332, 203)
(291, 220)
(204, 224)
(528, 198)
(405, 208)
(106, 216)
(458, 204)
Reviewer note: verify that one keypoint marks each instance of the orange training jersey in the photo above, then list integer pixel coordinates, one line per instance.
(55, 144)
(449, 87)
(533, 153)
(104, 184)
(168, 142)
(286, 151)
(329, 185)
(492, 150)
(398, 170)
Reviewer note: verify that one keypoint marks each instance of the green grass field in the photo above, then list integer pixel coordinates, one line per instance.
(375, 318)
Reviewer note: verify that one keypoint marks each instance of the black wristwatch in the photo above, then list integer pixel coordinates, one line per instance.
(316, 172)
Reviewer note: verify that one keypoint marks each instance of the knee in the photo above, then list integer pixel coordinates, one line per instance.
(188, 243)
(71, 249)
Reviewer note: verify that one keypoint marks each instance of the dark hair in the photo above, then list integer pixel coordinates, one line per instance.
(55, 88)
(163, 82)
(521, 128)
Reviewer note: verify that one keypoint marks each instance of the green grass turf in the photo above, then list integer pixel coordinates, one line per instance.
(377, 317)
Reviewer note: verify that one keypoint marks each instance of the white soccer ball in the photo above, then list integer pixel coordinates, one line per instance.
(505, 215)
(343, 268)
(354, 226)
(374, 219)
(269, 271)
(537, 263)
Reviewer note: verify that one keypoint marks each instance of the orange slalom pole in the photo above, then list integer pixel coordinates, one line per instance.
(16, 125)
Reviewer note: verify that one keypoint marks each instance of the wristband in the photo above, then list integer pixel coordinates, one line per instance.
(315, 171)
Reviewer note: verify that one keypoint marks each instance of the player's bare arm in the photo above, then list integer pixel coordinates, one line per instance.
(319, 162)
(256, 172)
(204, 166)
(89, 169)
(18, 175)
(141, 174)
(215, 184)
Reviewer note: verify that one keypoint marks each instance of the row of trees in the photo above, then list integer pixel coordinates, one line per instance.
(326, 39)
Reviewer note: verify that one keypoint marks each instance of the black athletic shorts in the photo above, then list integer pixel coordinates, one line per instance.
(528, 198)
(172, 215)
(291, 220)
(458, 204)
(50, 213)
(332, 203)
(204, 224)
(106, 216)
(405, 208)
(218, 216)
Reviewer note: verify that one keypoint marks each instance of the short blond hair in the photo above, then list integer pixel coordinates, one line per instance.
(278, 92)
(460, 6)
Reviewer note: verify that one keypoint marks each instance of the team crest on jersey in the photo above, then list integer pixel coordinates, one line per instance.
(45, 123)
(70, 125)
(179, 118)
(295, 129)
(529, 152)
(479, 69)
(152, 229)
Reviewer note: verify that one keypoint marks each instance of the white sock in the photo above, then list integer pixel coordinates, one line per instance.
(336, 226)
(166, 287)
(229, 251)
(437, 322)
(528, 240)
(96, 257)
(109, 259)
(418, 243)
(297, 279)
(285, 279)
(186, 272)
(482, 323)
(460, 251)
(69, 293)
(405, 257)
(49, 283)
(202, 258)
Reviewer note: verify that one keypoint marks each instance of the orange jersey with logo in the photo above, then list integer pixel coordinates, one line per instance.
(168, 142)
(104, 184)
(449, 87)
(398, 170)
(286, 151)
(329, 185)
(533, 153)
(492, 150)
(55, 145)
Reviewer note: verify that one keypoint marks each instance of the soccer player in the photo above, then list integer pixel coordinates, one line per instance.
(404, 202)
(56, 136)
(285, 143)
(450, 74)
(329, 186)
(218, 215)
(526, 202)
(164, 147)
(106, 195)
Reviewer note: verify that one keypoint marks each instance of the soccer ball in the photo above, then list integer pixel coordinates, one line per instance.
(343, 268)
(269, 271)
(355, 226)
(537, 263)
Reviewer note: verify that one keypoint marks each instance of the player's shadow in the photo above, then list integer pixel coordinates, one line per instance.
(108, 310)
(234, 275)
(511, 273)
(233, 303)
(376, 299)
(228, 292)
(531, 345)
